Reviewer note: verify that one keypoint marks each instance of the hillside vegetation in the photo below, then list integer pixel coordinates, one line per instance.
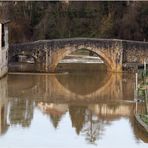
(47, 20)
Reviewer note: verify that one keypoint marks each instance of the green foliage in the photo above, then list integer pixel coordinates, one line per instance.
(106, 27)
(144, 118)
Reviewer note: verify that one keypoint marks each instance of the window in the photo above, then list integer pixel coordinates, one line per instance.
(3, 36)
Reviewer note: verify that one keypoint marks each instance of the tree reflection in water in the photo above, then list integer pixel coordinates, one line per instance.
(77, 115)
(93, 127)
(82, 119)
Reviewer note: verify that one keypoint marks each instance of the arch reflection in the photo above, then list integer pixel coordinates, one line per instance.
(71, 87)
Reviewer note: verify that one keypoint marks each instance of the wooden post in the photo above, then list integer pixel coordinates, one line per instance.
(136, 89)
(46, 61)
(136, 81)
(144, 66)
(146, 95)
(146, 101)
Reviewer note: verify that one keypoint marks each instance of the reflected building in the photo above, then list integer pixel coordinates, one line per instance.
(14, 111)
(21, 112)
(3, 105)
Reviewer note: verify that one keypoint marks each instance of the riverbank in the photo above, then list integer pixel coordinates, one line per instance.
(142, 118)
(142, 121)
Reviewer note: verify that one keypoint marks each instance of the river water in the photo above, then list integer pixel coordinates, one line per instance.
(70, 110)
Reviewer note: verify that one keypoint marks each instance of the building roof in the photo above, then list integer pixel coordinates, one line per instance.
(4, 21)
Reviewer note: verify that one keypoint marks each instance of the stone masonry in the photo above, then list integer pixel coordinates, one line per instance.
(115, 53)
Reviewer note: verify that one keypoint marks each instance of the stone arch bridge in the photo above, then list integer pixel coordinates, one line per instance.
(115, 53)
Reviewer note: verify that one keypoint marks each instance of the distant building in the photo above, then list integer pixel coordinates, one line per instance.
(3, 47)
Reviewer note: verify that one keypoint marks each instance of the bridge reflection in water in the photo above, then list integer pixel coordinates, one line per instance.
(70, 88)
(93, 101)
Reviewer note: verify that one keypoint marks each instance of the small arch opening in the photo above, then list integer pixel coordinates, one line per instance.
(22, 63)
(81, 60)
(23, 58)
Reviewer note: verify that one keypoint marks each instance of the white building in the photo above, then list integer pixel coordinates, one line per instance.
(3, 48)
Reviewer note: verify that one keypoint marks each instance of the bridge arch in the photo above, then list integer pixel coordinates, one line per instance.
(50, 52)
(57, 56)
(15, 57)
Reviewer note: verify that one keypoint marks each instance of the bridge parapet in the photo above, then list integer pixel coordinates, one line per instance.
(135, 51)
(55, 44)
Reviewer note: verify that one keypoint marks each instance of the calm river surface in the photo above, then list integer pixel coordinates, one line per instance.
(71, 110)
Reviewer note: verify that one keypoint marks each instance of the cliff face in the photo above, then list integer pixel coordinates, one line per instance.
(48, 20)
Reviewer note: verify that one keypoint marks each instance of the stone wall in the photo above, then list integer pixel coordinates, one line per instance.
(135, 52)
(115, 53)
